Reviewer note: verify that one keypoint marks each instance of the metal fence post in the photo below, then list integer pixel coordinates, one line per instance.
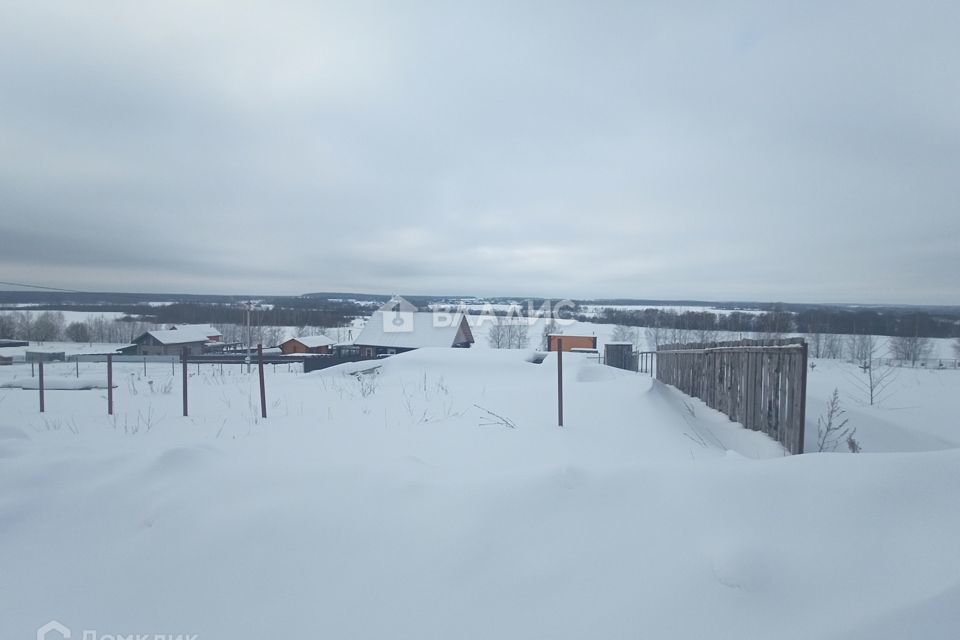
(109, 385)
(560, 381)
(40, 369)
(263, 389)
(183, 356)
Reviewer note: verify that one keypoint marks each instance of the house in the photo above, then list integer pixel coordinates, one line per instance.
(395, 331)
(571, 342)
(211, 332)
(171, 342)
(307, 344)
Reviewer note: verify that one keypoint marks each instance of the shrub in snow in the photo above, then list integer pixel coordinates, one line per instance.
(832, 427)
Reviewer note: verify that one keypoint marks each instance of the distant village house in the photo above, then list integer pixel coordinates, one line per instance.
(390, 332)
(172, 342)
(307, 344)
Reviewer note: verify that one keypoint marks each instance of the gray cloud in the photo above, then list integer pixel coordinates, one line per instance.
(758, 150)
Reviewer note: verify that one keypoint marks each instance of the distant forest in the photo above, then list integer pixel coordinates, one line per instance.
(330, 310)
(888, 322)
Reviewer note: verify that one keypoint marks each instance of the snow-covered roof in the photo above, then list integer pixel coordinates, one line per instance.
(312, 342)
(184, 335)
(208, 330)
(409, 330)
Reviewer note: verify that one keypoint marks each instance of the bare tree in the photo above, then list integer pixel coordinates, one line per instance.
(77, 332)
(774, 324)
(8, 325)
(860, 348)
(509, 333)
(48, 326)
(623, 333)
(497, 336)
(876, 380)
(23, 325)
(550, 328)
(832, 346)
(518, 334)
(815, 342)
(271, 336)
(676, 335)
(910, 348)
(705, 335)
(655, 337)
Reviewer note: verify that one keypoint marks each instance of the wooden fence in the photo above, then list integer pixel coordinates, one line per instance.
(762, 384)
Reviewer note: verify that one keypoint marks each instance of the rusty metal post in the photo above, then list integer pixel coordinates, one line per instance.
(263, 388)
(40, 369)
(109, 384)
(560, 381)
(183, 357)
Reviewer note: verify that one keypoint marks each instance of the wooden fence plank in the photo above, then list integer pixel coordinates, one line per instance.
(758, 383)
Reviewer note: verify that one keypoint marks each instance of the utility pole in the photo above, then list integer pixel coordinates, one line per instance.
(249, 335)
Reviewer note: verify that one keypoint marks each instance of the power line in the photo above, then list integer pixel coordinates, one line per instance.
(37, 286)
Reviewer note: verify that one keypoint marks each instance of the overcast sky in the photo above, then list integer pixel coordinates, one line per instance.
(796, 151)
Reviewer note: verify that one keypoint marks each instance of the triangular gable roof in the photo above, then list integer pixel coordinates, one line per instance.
(312, 342)
(417, 331)
(174, 336)
(398, 304)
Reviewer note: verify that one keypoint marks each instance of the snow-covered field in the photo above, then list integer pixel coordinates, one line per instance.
(597, 309)
(437, 498)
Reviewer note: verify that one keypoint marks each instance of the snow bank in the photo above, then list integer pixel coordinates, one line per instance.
(397, 510)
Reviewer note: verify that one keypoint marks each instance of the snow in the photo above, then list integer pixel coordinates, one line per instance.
(56, 384)
(597, 309)
(392, 504)
(68, 348)
(179, 336)
(208, 331)
(312, 342)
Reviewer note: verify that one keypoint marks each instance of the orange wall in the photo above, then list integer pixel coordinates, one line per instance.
(574, 342)
(292, 346)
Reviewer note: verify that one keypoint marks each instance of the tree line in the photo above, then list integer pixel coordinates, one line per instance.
(51, 326)
(906, 323)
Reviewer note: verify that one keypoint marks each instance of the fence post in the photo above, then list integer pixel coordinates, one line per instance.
(560, 381)
(183, 357)
(803, 398)
(40, 369)
(109, 384)
(263, 389)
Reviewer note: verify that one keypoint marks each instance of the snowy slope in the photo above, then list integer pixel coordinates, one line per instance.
(394, 505)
